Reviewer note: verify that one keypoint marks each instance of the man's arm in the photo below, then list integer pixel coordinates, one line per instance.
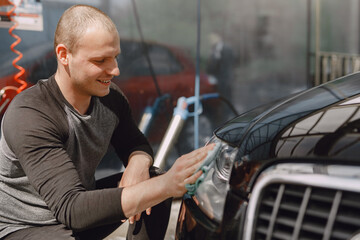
(137, 171)
(127, 138)
(38, 143)
(137, 198)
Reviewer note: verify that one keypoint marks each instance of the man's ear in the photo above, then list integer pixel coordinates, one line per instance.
(62, 54)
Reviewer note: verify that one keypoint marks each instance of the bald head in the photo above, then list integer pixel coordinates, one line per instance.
(76, 20)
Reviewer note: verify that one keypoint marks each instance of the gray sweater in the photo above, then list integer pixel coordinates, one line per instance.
(49, 153)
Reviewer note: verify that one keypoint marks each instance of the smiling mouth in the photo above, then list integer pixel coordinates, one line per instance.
(104, 81)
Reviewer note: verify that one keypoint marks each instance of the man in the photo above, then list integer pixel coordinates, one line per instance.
(55, 134)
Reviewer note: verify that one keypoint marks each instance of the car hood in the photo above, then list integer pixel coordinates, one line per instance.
(258, 133)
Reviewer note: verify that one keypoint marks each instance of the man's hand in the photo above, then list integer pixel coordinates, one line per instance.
(136, 171)
(141, 196)
(183, 170)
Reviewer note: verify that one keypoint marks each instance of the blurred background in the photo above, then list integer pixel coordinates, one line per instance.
(252, 52)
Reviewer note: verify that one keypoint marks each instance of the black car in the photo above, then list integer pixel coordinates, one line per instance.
(290, 170)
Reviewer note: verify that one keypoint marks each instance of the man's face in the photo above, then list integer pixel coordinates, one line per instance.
(92, 63)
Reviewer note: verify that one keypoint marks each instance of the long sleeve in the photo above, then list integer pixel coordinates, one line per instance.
(127, 138)
(42, 140)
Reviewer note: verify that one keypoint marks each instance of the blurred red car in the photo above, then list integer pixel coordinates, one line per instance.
(173, 68)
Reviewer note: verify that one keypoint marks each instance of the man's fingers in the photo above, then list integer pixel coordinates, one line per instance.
(191, 170)
(198, 160)
(137, 217)
(134, 218)
(201, 151)
(148, 211)
(192, 179)
(197, 155)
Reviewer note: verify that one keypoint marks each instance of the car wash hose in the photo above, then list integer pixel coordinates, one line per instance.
(145, 49)
(17, 76)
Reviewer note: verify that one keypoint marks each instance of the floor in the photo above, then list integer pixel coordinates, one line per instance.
(120, 233)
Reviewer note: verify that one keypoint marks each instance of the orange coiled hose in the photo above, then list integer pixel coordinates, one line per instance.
(12, 47)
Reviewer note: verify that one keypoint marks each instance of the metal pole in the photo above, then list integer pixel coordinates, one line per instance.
(172, 133)
(308, 45)
(171, 136)
(317, 42)
(146, 120)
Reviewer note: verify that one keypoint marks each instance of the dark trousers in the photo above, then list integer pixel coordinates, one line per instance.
(148, 227)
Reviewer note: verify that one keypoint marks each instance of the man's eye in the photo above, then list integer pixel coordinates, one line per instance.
(99, 60)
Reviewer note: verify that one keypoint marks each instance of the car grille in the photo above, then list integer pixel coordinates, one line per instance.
(291, 211)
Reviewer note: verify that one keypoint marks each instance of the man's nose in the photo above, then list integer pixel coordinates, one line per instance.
(114, 69)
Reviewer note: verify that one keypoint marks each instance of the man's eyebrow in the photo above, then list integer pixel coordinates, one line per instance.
(104, 56)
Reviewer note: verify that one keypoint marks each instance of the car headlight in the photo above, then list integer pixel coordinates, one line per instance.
(211, 194)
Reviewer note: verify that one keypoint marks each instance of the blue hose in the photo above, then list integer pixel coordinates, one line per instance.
(197, 79)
